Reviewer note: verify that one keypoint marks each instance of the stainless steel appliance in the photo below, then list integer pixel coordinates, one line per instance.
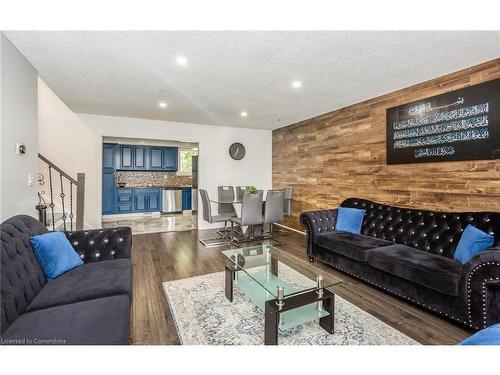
(172, 200)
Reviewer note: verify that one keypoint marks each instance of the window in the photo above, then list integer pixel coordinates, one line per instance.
(185, 161)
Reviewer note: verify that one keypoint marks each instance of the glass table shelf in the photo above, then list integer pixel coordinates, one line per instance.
(257, 272)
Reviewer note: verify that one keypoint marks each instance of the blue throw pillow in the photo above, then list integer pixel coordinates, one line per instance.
(350, 219)
(487, 336)
(55, 254)
(473, 241)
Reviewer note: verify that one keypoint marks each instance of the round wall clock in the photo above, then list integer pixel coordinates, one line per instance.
(237, 151)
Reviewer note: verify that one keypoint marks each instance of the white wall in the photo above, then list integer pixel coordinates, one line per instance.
(68, 142)
(215, 165)
(18, 124)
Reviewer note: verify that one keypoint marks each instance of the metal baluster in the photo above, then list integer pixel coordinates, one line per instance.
(62, 202)
(71, 205)
(51, 205)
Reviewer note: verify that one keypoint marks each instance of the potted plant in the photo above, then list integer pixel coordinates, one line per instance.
(251, 189)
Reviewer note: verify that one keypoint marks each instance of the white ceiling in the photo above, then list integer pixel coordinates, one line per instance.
(128, 73)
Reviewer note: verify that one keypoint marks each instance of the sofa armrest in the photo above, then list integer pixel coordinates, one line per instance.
(101, 244)
(316, 222)
(481, 285)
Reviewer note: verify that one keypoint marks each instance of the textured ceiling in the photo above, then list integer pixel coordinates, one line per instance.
(128, 73)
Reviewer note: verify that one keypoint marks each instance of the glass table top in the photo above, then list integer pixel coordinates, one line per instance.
(259, 274)
(259, 263)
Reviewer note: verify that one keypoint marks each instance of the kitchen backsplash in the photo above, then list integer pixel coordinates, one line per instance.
(152, 179)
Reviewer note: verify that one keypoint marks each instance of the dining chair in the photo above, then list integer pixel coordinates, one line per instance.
(239, 192)
(251, 215)
(273, 209)
(225, 199)
(225, 195)
(209, 218)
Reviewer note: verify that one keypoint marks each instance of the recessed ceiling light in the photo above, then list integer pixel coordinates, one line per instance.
(162, 105)
(296, 84)
(244, 114)
(181, 60)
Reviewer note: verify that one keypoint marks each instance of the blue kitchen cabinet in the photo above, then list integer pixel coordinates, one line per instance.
(140, 202)
(108, 193)
(156, 158)
(140, 157)
(186, 198)
(126, 157)
(170, 159)
(132, 157)
(147, 158)
(108, 179)
(147, 199)
(154, 202)
(124, 201)
(108, 155)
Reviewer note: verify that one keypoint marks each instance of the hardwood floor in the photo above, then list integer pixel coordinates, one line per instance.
(169, 256)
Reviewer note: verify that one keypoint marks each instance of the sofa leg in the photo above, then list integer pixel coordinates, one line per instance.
(311, 259)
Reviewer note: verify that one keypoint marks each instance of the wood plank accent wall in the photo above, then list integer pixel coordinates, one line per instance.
(342, 154)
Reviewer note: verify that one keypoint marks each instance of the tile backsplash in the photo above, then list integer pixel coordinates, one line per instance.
(152, 179)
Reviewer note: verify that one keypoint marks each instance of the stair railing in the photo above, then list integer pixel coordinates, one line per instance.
(78, 185)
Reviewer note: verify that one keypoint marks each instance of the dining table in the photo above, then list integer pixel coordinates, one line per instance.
(237, 205)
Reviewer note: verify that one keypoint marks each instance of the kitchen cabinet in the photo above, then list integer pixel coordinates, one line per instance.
(154, 203)
(124, 201)
(140, 157)
(108, 179)
(126, 159)
(147, 158)
(186, 198)
(156, 158)
(147, 199)
(170, 159)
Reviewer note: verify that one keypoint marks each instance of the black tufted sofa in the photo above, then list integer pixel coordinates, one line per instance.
(87, 305)
(409, 253)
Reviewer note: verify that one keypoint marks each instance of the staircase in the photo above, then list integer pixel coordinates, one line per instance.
(61, 198)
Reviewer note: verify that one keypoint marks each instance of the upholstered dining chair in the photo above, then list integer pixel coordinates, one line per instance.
(225, 195)
(226, 199)
(273, 209)
(251, 215)
(209, 218)
(239, 192)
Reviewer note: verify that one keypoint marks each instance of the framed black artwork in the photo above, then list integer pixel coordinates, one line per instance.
(458, 125)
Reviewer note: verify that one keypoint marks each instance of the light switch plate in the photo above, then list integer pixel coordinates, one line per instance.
(31, 179)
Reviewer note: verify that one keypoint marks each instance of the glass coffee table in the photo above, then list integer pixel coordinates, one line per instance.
(286, 296)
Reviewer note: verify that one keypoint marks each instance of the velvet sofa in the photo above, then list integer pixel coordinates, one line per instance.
(409, 253)
(89, 304)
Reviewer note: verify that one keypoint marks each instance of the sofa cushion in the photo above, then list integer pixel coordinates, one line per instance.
(349, 219)
(92, 280)
(473, 241)
(487, 336)
(349, 244)
(55, 254)
(98, 321)
(431, 271)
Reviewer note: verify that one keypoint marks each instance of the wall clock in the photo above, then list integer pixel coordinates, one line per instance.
(237, 151)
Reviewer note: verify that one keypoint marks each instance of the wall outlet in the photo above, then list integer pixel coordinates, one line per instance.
(31, 179)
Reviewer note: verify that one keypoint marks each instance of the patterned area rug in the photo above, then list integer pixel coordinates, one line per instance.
(203, 316)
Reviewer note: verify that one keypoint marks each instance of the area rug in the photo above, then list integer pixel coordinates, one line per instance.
(203, 316)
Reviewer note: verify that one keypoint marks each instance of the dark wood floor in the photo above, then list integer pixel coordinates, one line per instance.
(162, 257)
